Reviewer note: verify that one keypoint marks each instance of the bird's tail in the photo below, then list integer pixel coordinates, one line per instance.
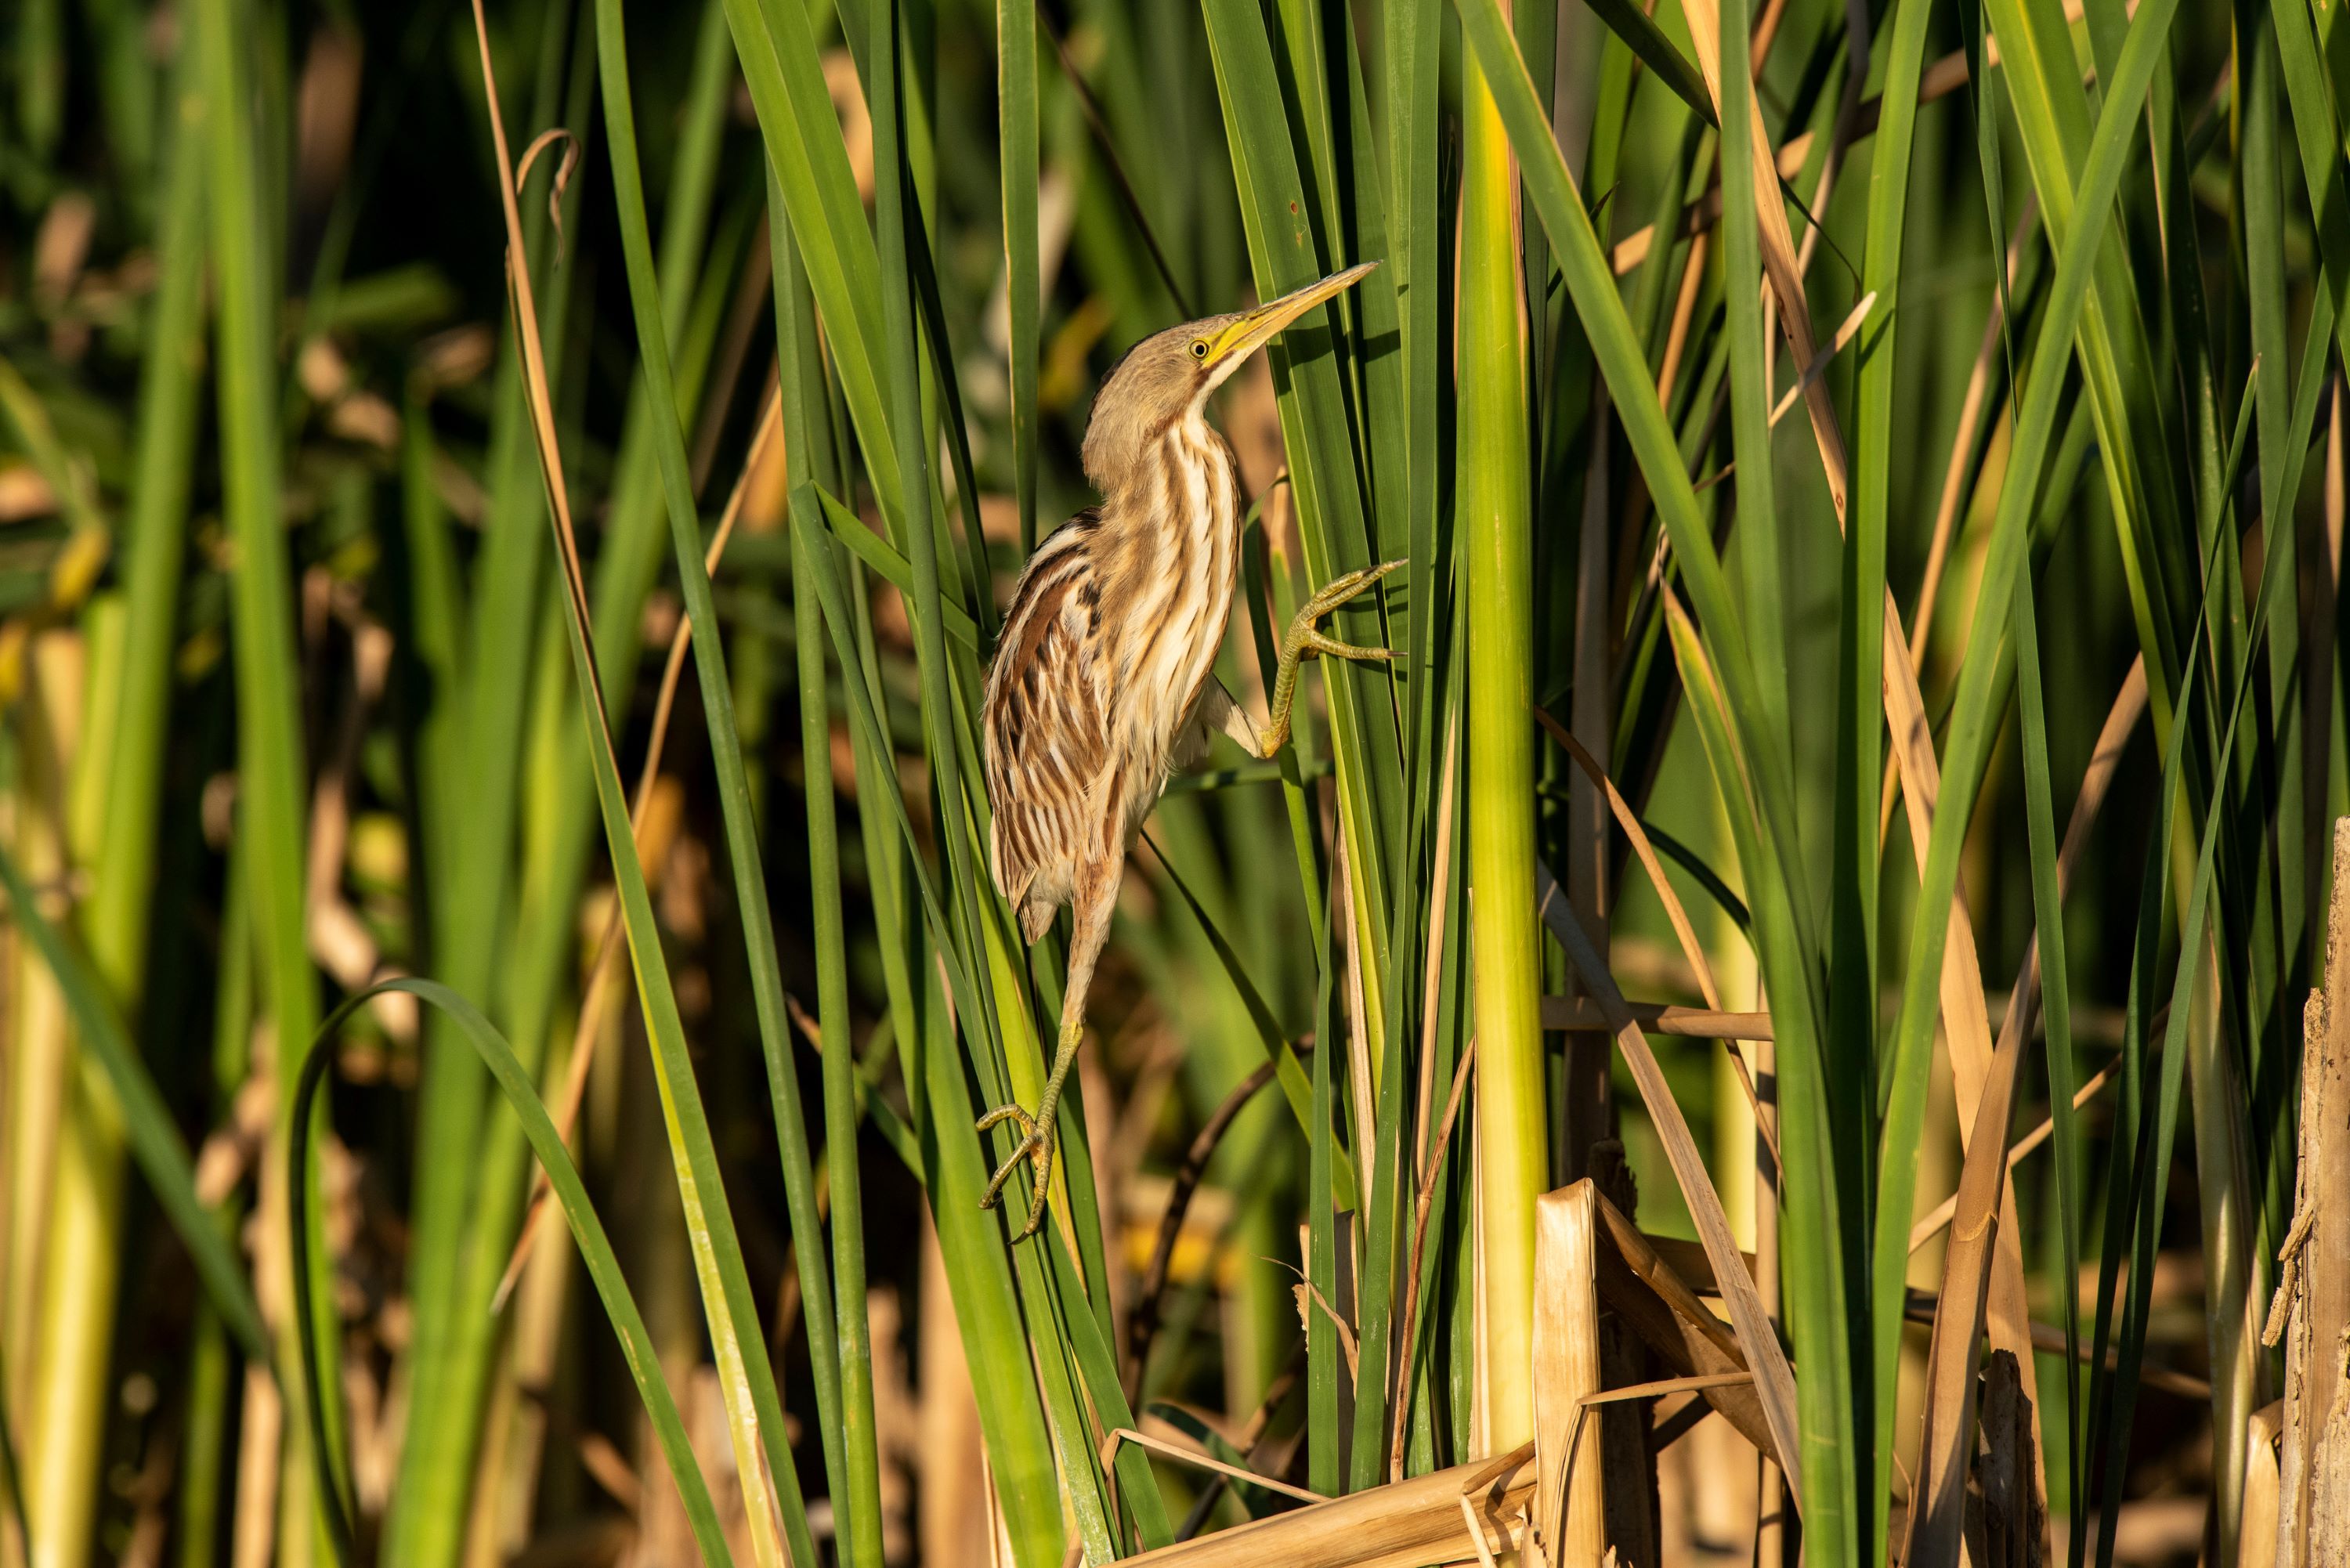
(1036, 919)
(1036, 914)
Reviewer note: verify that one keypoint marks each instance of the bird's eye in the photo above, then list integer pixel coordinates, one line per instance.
(1199, 348)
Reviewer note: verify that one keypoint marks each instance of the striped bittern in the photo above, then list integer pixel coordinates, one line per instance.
(1104, 681)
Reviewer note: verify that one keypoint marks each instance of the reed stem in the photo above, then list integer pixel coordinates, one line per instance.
(1496, 546)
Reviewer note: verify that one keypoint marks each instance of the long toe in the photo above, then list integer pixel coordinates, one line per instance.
(1002, 1114)
(994, 1193)
(1340, 589)
(989, 1199)
(1043, 1186)
(1335, 592)
(1322, 643)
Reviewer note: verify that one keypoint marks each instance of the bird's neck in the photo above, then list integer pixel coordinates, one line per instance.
(1174, 514)
(1179, 478)
(1170, 565)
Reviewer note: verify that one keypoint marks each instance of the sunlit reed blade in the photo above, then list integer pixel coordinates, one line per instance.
(755, 1417)
(594, 1010)
(520, 1095)
(148, 1128)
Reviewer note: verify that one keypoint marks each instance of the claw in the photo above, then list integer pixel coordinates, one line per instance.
(1338, 590)
(1002, 1114)
(1317, 641)
(1304, 637)
(1308, 638)
(1036, 1146)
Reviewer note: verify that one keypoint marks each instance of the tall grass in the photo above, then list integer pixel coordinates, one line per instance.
(359, 449)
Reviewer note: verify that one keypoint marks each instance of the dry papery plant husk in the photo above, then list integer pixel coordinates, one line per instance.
(1546, 1498)
(2297, 1464)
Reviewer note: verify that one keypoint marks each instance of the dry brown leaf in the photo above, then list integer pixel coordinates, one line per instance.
(1683, 932)
(1199, 1460)
(1982, 1219)
(1775, 1381)
(1658, 1018)
(1652, 1285)
(562, 181)
(1406, 1525)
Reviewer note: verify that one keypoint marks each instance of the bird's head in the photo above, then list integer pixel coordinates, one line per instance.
(1167, 377)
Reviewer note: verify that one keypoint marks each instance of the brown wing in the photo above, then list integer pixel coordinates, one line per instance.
(1047, 726)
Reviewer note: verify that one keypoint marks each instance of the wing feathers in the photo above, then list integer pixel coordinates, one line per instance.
(1045, 724)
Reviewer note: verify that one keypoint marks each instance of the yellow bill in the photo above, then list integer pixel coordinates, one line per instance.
(1253, 330)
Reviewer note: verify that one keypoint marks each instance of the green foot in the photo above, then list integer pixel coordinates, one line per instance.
(1304, 637)
(1035, 1145)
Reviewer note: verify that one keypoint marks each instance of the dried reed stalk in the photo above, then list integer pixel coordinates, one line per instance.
(2312, 1312)
(2258, 1534)
(1405, 1525)
(1774, 1380)
(1570, 1500)
(2006, 1526)
(1683, 932)
(1660, 1304)
(1658, 1018)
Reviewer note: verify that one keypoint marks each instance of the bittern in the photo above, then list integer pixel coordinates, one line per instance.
(1104, 682)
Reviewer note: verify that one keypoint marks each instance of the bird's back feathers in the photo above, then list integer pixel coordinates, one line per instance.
(1111, 637)
(1045, 723)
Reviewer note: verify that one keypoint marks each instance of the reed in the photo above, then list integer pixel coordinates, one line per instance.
(1496, 549)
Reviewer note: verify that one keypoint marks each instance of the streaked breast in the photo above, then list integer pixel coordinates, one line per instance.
(1181, 564)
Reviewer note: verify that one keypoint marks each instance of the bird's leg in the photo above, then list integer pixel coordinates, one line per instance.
(1304, 637)
(1097, 897)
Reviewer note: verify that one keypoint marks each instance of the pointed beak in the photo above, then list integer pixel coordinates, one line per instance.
(1258, 327)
